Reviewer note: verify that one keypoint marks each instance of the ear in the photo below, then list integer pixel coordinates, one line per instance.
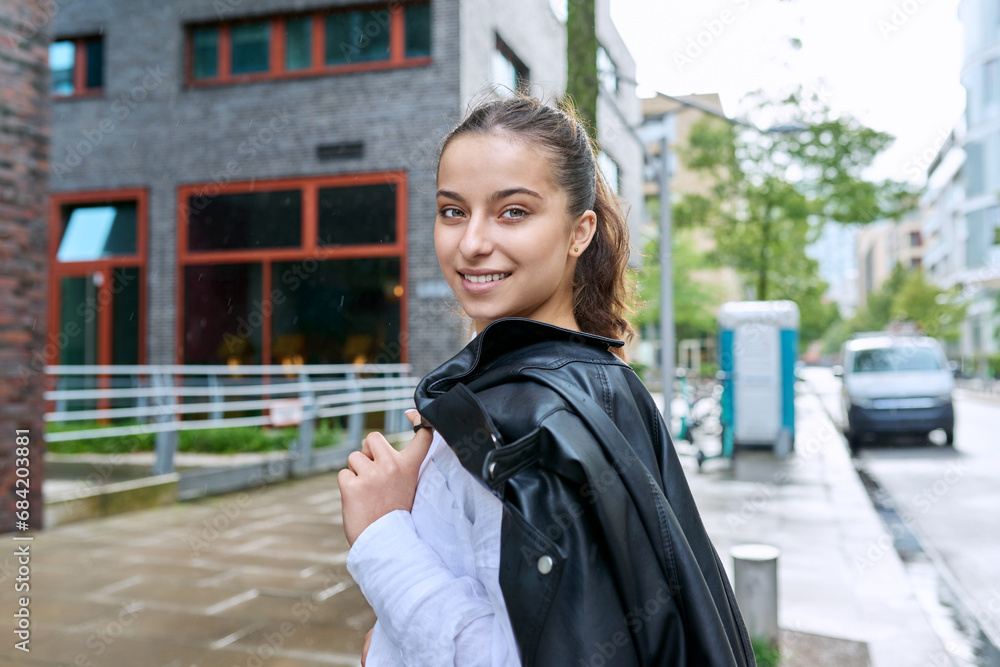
(584, 229)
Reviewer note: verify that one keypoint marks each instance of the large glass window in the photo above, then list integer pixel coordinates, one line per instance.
(418, 30)
(250, 48)
(348, 311)
(361, 214)
(298, 43)
(267, 295)
(245, 220)
(223, 313)
(92, 232)
(205, 45)
(355, 37)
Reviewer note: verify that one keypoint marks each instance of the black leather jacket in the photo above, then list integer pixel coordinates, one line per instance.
(604, 559)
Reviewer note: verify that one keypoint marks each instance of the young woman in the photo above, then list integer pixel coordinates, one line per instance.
(542, 517)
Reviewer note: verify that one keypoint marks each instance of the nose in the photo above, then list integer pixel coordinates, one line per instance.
(476, 238)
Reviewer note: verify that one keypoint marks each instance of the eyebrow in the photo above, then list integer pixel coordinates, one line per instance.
(496, 196)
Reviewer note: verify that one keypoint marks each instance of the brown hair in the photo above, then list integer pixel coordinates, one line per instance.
(602, 294)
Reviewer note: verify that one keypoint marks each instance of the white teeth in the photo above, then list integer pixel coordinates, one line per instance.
(490, 277)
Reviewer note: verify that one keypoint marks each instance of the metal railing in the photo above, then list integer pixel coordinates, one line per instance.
(165, 400)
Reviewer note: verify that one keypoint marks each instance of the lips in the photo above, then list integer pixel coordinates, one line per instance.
(485, 278)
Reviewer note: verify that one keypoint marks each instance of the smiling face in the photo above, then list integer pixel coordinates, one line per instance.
(504, 238)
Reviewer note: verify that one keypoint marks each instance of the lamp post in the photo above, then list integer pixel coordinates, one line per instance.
(664, 132)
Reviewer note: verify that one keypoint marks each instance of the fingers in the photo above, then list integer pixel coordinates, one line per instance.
(377, 446)
(356, 462)
(415, 452)
(413, 416)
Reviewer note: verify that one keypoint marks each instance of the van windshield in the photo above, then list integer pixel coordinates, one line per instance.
(910, 358)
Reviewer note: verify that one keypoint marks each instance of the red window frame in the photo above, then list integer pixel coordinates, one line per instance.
(317, 67)
(80, 65)
(309, 248)
(105, 265)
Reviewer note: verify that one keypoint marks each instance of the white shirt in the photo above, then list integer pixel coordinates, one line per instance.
(432, 574)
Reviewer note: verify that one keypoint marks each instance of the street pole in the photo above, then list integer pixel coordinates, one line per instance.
(666, 278)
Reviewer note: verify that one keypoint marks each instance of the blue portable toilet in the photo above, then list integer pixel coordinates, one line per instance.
(758, 348)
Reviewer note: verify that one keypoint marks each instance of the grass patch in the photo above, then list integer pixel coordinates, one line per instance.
(766, 654)
(208, 441)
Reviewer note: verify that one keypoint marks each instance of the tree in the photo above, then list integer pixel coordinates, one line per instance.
(581, 60)
(695, 301)
(774, 191)
(907, 296)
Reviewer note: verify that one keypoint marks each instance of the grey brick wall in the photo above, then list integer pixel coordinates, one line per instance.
(150, 130)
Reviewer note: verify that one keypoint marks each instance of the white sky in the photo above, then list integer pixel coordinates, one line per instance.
(903, 81)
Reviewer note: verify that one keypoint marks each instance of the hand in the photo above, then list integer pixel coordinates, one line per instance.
(379, 480)
(364, 649)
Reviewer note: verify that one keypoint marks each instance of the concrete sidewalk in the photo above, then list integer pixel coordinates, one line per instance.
(838, 574)
(258, 578)
(249, 579)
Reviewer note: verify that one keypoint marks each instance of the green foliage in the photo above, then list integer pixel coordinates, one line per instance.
(213, 441)
(906, 296)
(581, 60)
(694, 301)
(766, 654)
(773, 191)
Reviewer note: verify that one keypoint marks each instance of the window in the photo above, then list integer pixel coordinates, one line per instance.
(251, 45)
(321, 42)
(246, 220)
(607, 71)
(206, 52)
(352, 38)
(914, 239)
(97, 246)
(77, 66)
(298, 43)
(418, 30)
(97, 231)
(507, 70)
(354, 215)
(293, 270)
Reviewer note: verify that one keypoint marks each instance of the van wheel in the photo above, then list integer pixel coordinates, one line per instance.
(949, 437)
(854, 442)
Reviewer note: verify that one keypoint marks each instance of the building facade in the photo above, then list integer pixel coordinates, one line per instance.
(880, 246)
(252, 181)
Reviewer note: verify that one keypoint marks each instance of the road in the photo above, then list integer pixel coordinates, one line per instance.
(949, 498)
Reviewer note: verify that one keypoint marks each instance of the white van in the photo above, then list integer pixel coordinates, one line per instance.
(896, 384)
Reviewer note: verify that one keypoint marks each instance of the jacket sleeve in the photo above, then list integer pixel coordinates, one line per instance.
(431, 615)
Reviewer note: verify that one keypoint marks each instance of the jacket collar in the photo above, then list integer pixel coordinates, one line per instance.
(499, 338)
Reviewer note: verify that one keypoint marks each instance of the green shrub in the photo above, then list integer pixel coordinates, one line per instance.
(767, 655)
(209, 441)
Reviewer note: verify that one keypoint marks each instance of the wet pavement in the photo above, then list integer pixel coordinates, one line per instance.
(249, 579)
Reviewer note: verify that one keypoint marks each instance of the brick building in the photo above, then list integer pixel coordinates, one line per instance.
(24, 151)
(252, 181)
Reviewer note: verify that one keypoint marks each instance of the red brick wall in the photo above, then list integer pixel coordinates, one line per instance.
(25, 118)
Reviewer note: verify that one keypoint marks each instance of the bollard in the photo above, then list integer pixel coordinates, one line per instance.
(755, 582)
